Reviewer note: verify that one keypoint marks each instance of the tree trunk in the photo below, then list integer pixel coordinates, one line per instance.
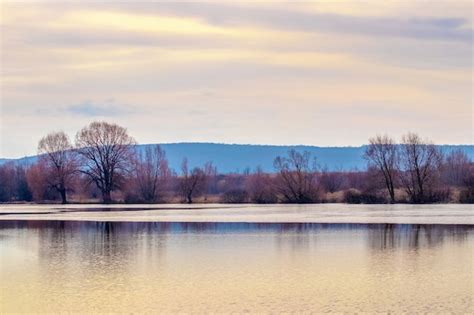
(392, 195)
(62, 191)
(106, 197)
(391, 190)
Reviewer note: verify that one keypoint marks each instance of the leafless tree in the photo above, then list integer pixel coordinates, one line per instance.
(106, 152)
(419, 161)
(192, 182)
(296, 180)
(381, 153)
(467, 192)
(37, 176)
(152, 173)
(22, 191)
(7, 181)
(210, 172)
(260, 187)
(57, 153)
(456, 168)
(331, 181)
(13, 182)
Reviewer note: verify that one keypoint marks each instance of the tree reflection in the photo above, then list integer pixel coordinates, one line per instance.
(120, 240)
(414, 236)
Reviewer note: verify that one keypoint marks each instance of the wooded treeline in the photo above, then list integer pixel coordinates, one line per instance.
(103, 165)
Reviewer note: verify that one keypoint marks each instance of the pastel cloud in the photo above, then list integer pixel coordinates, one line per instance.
(325, 73)
(108, 108)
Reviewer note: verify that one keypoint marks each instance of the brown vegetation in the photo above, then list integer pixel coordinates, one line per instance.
(382, 154)
(106, 155)
(104, 165)
(151, 174)
(193, 183)
(58, 163)
(419, 164)
(296, 177)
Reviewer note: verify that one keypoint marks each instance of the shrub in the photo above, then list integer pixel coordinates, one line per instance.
(357, 197)
(467, 195)
(235, 196)
(438, 195)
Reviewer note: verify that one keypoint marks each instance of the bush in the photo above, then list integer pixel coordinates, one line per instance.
(235, 196)
(439, 195)
(467, 195)
(357, 197)
(264, 198)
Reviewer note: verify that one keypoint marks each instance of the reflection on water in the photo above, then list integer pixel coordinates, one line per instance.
(49, 266)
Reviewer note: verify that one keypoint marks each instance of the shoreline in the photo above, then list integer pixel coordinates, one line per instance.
(455, 214)
(245, 225)
(220, 203)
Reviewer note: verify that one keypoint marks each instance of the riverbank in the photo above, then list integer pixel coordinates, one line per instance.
(249, 213)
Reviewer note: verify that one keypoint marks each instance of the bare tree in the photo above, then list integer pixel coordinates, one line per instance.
(152, 173)
(381, 153)
(13, 182)
(331, 181)
(22, 191)
(418, 166)
(456, 168)
(106, 151)
(210, 182)
(296, 179)
(259, 186)
(467, 192)
(37, 176)
(57, 153)
(7, 181)
(192, 182)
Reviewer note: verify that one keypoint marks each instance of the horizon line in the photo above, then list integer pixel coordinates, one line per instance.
(243, 144)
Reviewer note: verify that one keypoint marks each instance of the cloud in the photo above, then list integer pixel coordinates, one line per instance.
(108, 108)
(285, 18)
(324, 72)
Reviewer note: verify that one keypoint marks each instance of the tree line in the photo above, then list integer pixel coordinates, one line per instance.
(104, 164)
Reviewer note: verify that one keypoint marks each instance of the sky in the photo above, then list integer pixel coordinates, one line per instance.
(326, 73)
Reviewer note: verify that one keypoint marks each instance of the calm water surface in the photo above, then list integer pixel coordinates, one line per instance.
(59, 266)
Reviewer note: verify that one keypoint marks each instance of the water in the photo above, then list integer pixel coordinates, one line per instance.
(89, 267)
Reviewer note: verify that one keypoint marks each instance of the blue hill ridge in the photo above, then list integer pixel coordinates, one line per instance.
(230, 158)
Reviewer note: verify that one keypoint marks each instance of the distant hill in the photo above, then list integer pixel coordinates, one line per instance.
(237, 157)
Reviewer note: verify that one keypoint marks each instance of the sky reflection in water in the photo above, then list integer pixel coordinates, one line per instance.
(224, 267)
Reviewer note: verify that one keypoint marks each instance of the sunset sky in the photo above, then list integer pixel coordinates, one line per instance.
(327, 73)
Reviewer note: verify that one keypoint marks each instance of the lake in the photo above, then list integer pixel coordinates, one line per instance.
(215, 258)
